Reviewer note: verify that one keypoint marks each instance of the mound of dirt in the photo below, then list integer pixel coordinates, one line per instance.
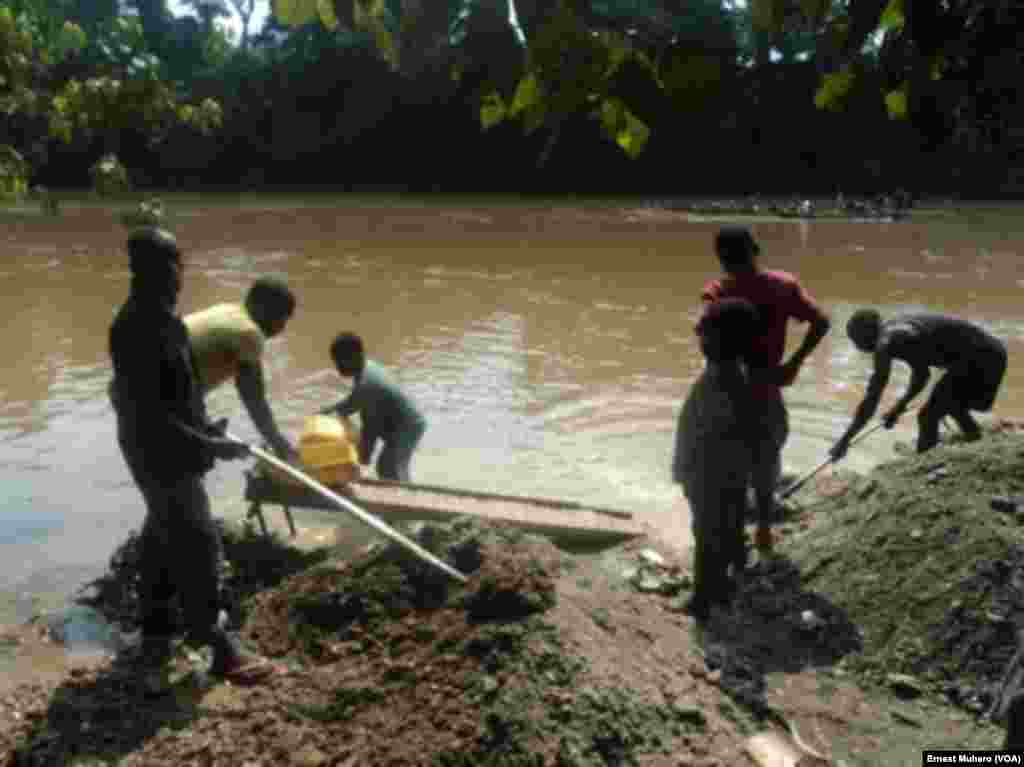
(541, 659)
(926, 557)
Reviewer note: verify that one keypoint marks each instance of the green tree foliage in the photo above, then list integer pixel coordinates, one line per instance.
(947, 67)
(567, 63)
(51, 72)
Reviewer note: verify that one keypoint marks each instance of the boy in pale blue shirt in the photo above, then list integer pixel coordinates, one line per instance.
(387, 414)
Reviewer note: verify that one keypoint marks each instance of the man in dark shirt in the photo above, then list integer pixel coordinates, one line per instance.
(974, 360)
(169, 444)
(714, 452)
(778, 297)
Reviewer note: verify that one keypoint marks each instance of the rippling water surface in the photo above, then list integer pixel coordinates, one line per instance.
(549, 346)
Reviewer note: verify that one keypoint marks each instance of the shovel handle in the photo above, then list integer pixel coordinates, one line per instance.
(830, 460)
(347, 506)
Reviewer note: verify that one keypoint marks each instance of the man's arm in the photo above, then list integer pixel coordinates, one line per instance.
(352, 404)
(919, 376)
(254, 396)
(815, 333)
(866, 409)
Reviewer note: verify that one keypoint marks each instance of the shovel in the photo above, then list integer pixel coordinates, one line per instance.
(809, 475)
(345, 505)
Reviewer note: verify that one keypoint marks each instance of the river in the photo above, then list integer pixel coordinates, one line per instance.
(549, 345)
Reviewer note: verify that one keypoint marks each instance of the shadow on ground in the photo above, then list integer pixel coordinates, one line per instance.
(774, 625)
(102, 716)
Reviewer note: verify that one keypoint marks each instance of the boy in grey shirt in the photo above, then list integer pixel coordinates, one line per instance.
(387, 413)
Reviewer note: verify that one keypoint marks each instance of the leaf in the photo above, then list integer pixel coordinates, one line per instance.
(386, 44)
(325, 11)
(492, 110)
(71, 38)
(528, 94)
(294, 13)
(632, 137)
(623, 127)
(832, 92)
(612, 116)
(892, 16)
(369, 15)
(896, 103)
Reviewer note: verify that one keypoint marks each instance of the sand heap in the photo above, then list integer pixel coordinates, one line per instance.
(926, 558)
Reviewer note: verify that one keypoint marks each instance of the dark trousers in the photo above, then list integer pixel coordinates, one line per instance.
(396, 455)
(717, 515)
(972, 385)
(180, 552)
(769, 437)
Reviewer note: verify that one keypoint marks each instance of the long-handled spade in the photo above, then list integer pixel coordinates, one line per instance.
(363, 516)
(345, 505)
(830, 460)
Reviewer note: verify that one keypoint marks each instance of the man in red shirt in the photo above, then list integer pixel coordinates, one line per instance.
(778, 297)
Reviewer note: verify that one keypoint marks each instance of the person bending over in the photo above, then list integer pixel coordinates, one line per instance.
(387, 414)
(974, 361)
(228, 342)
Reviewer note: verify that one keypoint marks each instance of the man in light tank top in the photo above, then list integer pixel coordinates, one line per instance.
(974, 361)
(228, 341)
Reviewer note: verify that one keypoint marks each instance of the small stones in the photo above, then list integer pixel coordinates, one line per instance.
(1006, 504)
(811, 622)
(651, 557)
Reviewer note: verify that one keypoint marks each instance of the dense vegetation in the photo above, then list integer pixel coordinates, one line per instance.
(653, 96)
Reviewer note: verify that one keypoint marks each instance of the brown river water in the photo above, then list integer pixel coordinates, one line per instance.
(549, 345)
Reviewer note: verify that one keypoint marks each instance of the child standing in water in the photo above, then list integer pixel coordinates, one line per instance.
(387, 414)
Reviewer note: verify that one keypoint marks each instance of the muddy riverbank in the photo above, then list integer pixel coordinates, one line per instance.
(878, 630)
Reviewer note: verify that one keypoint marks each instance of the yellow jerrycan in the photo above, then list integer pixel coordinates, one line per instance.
(328, 451)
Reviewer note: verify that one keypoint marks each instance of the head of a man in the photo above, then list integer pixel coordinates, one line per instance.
(863, 328)
(728, 330)
(156, 265)
(270, 303)
(736, 249)
(348, 354)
